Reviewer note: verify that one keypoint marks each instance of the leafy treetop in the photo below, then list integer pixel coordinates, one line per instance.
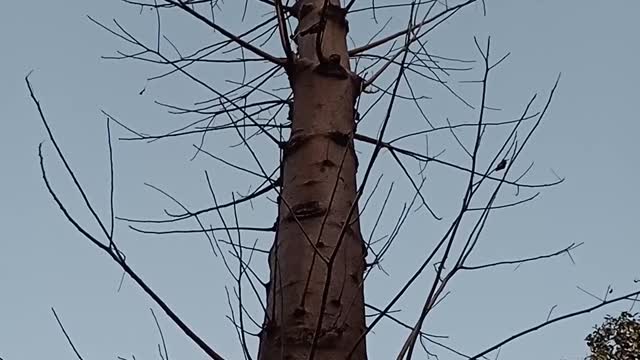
(616, 339)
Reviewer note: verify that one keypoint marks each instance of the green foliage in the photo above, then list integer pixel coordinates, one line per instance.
(616, 339)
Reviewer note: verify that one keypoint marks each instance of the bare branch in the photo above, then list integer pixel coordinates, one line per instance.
(115, 254)
(553, 321)
(448, 12)
(263, 54)
(66, 335)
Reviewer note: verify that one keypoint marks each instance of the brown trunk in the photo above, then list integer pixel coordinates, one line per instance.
(318, 193)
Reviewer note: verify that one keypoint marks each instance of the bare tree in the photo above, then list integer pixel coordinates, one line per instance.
(305, 147)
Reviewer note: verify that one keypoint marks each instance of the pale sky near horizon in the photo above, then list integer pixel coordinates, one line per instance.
(588, 137)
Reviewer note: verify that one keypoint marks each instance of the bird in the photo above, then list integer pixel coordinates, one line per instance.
(501, 165)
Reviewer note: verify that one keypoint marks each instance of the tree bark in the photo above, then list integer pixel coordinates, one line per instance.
(317, 262)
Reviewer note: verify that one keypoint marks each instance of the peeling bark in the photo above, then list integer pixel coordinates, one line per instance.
(318, 192)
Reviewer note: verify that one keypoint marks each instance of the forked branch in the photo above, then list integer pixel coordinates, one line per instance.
(110, 248)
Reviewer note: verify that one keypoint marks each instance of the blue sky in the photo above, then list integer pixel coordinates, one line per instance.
(588, 137)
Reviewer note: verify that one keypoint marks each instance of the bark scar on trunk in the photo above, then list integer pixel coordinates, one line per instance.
(339, 137)
(295, 141)
(332, 68)
(305, 210)
(298, 138)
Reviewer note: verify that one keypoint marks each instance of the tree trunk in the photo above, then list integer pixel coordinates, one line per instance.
(317, 261)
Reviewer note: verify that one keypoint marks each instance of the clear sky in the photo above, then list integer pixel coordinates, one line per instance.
(588, 137)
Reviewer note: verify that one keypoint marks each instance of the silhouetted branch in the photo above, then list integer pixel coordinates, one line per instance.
(73, 347)
(110, 249)
(182, 5)
(164, 344)
(553, 321)
(447, 13)
(566, 250)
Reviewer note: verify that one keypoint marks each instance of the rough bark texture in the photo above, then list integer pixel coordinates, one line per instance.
(318, 192)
